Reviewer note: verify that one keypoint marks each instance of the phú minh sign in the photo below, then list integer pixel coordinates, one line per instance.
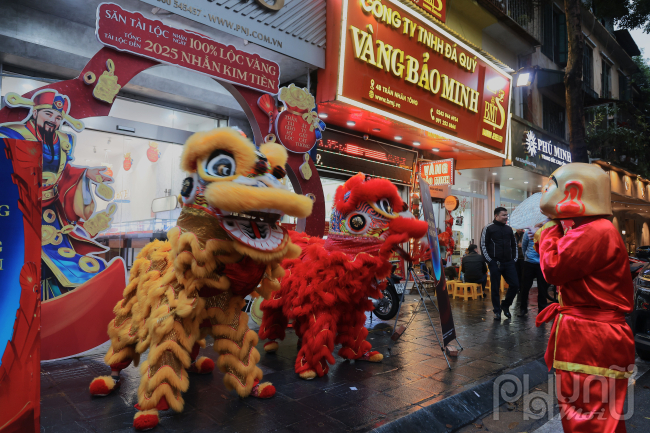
(132, 32)
(397, 63)
(437, 173)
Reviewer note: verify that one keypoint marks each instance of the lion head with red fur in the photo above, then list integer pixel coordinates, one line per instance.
(372, 208)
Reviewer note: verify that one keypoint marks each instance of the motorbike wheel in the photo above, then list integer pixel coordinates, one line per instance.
(386, 308)
(643, 352)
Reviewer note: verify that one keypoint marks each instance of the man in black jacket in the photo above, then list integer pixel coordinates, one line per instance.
(474, 268)
(500, 251)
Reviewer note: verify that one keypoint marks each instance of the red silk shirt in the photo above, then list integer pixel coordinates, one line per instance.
(589, 265)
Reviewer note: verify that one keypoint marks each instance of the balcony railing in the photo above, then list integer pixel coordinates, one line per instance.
(526, 13)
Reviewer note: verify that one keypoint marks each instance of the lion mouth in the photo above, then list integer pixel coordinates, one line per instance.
(257, 229)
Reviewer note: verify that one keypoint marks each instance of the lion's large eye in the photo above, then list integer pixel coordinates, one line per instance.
(220, 164)
(384, 206)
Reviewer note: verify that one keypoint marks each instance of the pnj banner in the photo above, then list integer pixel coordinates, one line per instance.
(132, 32)
(446, 318)
(20, 268)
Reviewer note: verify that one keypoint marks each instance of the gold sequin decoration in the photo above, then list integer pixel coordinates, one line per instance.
(219, 301)
(235, 373)
(49, 216)
(166, 359)
(66, 252)
(89, 264)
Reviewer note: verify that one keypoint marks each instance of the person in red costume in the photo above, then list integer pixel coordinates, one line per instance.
(591, 346)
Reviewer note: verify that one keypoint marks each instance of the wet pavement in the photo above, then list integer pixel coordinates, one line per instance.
(354, 396)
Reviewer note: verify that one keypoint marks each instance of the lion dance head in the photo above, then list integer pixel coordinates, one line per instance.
(371, 209)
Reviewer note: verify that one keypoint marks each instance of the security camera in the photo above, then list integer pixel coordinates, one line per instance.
(365, 136)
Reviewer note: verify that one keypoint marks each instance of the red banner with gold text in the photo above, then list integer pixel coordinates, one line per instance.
(132, 32)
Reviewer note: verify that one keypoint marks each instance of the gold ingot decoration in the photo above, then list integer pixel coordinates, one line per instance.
(66, 252)
(89, 265)
(49, 216)
(104, 191)
(107, 87)
(100, 221)
(305, 169)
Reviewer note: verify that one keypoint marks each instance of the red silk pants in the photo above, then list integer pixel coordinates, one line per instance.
(589, 403)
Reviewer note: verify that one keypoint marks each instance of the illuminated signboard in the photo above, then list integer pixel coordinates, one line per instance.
(437, 8)
(437, 173)
(349, 154)
(397, 63)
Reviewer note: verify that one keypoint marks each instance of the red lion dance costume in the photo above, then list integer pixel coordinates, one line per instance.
(325, 291)
(591, 347)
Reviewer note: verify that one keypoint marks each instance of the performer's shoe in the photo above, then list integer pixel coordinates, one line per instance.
(497, 316)
(202, 365)
(308, 375)
(263, 390)
(522, 313)
(271, 346)
(104, 385)
(146, 420)
(371, 356)
(506, 311)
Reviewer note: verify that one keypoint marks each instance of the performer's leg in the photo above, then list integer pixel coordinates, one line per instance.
(530, 273)
(352, 334)
(200, 364)
(123, 335)
(164, 375)
(590, 403)
(495, 284)
(236, 345)
(316, 332)
(274, 322)
(542, 288)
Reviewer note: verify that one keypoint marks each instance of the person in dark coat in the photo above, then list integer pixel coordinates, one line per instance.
(500, 250)
(474, 267)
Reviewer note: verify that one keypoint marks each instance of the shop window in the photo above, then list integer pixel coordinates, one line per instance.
(161, 116)
(606, 80)
(555, 39)
(553, 117)
(588, 67)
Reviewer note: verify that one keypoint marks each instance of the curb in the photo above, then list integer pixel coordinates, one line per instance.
(461, 409)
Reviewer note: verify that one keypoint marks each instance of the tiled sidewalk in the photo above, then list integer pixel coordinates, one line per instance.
(355, 396)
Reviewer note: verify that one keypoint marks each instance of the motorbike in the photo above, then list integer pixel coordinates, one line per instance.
(386, 307)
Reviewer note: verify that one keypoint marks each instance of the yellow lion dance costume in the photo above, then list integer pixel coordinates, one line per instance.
(226, 244)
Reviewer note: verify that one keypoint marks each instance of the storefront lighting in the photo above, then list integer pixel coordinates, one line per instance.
(496, 84)
(398, 137)
(623, 231)
(539, 186)
(322, 115)
(416, 143)
(511, 178)
(526, 182)
(494, 174)
(351, 123)
(525, 77)
(435, 149)
(376, 129)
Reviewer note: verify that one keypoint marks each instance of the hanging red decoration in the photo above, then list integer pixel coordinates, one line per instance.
(128, 162)
(153, 153)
